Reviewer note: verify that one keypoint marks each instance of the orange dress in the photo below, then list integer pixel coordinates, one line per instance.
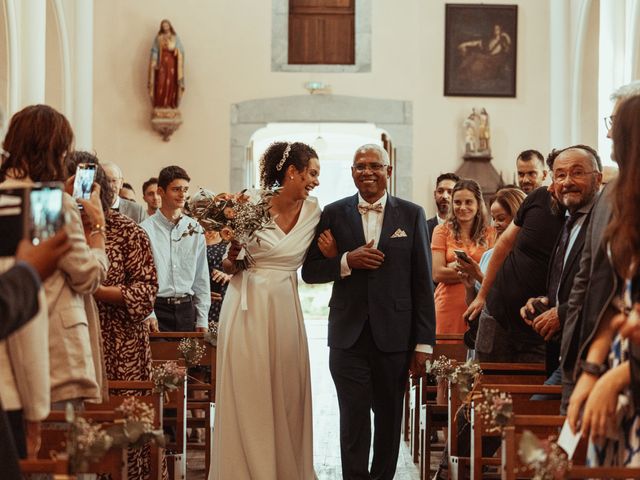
(450, 297)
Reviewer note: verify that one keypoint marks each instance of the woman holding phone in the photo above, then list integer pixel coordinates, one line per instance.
(467, 232)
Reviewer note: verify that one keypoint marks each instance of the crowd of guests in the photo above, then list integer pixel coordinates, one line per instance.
(77, 309)
(555, 279)
(548, 273)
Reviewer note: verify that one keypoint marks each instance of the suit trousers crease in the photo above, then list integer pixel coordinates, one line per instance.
(368, 379)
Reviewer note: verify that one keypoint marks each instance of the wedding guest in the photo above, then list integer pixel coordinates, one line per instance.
(442, 196)
(150, 195)
(381, 316)
(127, 192)
(531, 169)
(262, 344)
(611, 415)
(37, 141)
(125, 299)
(216, 249)
(126, 207)
(595, 284)
(467, 230)
(184, 295)
(503, 208)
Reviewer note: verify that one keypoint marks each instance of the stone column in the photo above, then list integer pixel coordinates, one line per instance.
(83, 91)
(33, 21)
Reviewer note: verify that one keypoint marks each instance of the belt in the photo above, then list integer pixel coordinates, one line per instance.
(175, 300)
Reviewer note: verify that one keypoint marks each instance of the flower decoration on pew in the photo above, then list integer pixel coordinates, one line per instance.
(495, 408)
(463, 375)
(234, 216)
(212, 335)
(544, 457)
(191, 350)
(88, 442)
(167, 376)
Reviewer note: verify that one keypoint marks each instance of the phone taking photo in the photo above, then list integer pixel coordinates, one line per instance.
(462, 255)
(83, 183)
(45, 211)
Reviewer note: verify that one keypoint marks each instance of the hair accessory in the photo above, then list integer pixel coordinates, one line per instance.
(285, 155)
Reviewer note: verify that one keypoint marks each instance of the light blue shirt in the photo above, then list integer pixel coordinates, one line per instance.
(181, 262)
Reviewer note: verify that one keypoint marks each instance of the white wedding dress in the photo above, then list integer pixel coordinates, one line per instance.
(263, 423)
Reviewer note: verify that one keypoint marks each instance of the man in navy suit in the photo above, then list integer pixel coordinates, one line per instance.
(382, 316)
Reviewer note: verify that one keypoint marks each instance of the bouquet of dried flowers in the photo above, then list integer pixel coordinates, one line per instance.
(495, 408)
(167, 376)
(463, 375)
(88, 443)
(234, 216)
(191, 350)
(547, 460)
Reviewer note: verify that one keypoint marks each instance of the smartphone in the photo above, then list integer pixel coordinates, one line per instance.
(539, 308)
(13, 207)
(45, 211)
(85, 175)
(462, 255)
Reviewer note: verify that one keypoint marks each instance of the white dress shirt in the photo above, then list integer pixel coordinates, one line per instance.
(372, 226)
(181, 262)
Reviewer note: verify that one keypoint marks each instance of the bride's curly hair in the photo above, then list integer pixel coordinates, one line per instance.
(277, 158)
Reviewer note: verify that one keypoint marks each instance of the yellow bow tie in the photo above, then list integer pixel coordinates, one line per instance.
(367, 207)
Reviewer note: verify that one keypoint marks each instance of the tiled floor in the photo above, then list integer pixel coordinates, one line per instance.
(326, 430)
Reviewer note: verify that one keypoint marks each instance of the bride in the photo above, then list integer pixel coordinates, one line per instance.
(263, 424)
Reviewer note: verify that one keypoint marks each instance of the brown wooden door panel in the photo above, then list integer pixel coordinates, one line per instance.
(320, 4)
(321, 39)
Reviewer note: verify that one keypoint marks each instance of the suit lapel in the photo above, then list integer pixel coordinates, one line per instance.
(354, 219)
(389, 222)
(576, 250)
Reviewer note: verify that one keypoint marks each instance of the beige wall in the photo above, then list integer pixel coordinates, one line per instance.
(228, 60)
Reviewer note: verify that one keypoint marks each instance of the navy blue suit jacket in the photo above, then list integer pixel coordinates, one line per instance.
(396, 298)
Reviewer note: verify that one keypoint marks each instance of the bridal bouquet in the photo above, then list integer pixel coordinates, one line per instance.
(234, 216)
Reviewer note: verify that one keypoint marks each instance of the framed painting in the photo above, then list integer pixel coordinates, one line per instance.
(480, 50)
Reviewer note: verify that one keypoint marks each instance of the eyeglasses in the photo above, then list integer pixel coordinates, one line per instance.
(561, 176)
(374, 167)
(608, 122)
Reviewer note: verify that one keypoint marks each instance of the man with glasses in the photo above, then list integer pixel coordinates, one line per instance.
(125, 207)
(382, 315)
(577, 175)
(531, 170)
(594, 289)
(184, 294)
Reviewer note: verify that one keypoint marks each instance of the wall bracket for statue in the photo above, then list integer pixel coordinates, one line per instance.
(166, 80)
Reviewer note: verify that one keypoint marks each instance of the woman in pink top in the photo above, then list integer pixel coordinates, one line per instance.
(467, 229)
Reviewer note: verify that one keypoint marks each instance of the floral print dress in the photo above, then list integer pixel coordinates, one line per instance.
(125, 334)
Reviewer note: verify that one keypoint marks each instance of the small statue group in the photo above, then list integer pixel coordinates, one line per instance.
(477, 134)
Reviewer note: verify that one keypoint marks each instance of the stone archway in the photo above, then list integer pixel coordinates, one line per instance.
(393, 116)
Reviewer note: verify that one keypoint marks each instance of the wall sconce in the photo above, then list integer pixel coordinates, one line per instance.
(317, 87)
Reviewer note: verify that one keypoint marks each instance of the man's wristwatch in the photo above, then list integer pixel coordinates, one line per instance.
(595, 369)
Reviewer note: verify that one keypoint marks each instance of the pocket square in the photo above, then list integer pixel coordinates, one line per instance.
(399, 233)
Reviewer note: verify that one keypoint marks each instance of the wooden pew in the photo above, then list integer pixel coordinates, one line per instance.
(57, 468)
(411, 420)
(543, 426)
(164, 346)
(522, 404)
(55, 429)
(492, 373)
(431, 415)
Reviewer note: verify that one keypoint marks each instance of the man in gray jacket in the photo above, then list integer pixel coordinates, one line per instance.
(126, 207)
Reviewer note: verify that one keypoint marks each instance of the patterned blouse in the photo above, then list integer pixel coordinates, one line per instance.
(215, 255)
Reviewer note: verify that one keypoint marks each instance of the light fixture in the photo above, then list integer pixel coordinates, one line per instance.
(317, 87)
(319, 144)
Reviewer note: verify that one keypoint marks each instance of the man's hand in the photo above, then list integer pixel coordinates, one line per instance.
(628, 325)
(473, 310)
(44, 257)
(33, 439)
(327, 244)
(418, 361)
(365, 257)
(153, 324)
(547, 324)
(202, 329)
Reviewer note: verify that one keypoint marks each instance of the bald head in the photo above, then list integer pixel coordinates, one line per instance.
(114, 176)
